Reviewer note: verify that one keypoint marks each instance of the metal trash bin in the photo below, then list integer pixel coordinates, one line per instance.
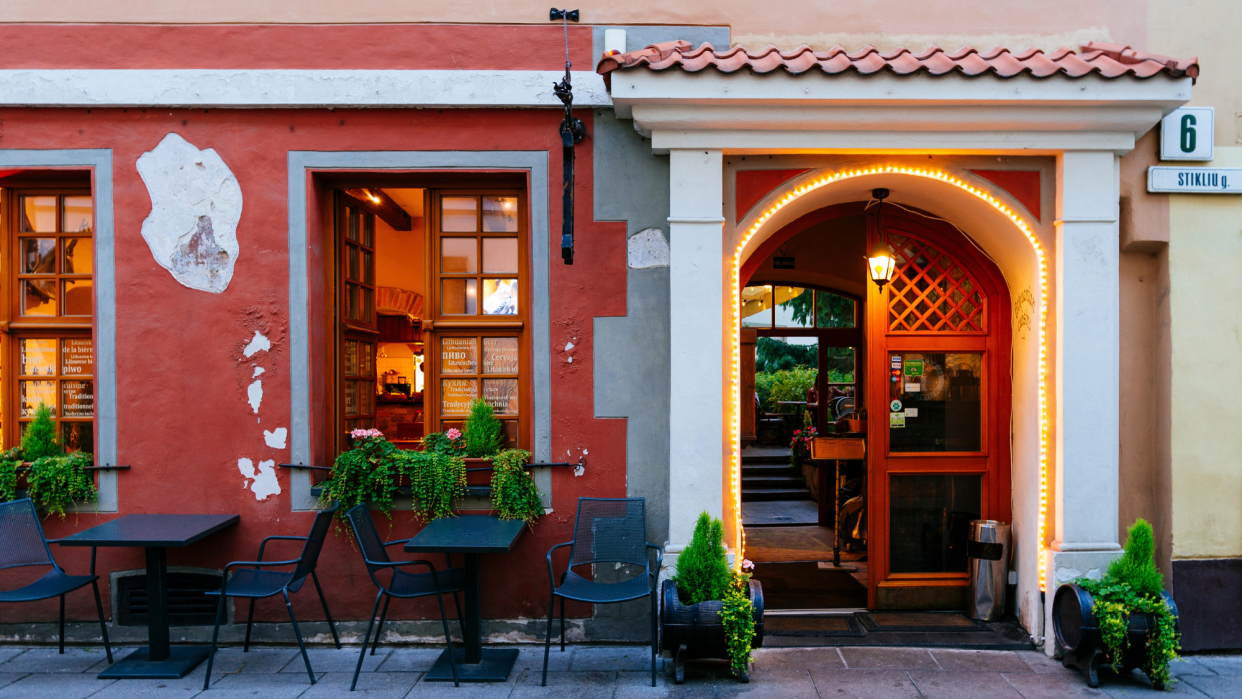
(988, 551)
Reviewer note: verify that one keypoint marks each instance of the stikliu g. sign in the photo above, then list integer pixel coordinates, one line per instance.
(1194, 180)
(1187, 134)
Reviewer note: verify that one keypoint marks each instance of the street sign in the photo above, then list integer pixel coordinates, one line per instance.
(1195, 180)
(1187, 134)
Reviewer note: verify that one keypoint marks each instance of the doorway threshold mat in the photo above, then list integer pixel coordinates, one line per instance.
(920, 622)
(817, 626)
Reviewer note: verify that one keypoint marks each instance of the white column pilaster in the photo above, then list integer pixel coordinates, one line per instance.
(696, 296)
(1085, 527)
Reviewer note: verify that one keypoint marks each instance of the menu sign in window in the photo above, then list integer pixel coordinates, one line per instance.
(38, 357)
(78, 398)
(456, 395)
(502, 395)
(500, 355)
(458, 355)
(77, 357)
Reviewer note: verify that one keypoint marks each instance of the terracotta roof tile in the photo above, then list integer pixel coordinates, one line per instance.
(1105, 60)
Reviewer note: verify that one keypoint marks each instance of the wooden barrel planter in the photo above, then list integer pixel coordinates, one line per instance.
(694, 631)
(1078, 633)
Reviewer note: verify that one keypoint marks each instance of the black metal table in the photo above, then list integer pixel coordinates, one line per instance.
(158, 660)
(471, 535)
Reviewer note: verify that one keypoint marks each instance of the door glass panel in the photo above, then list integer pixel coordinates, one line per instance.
(832, 311)
(38, 215)
(458, 355)
(456, 395)
(500, 297)
(77, 298)
(459, 215)
(500, 355)
(458, 255)
(935, 402)
(786, 369)
(794, 307)
(78, 215)
(500, 215)
(500, 256)
(929, 521)
(38, 255)
(757, 307)
(458, 296)
(79, 255)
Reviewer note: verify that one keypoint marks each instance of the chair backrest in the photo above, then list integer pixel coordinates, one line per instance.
(23, 543)
(367, 536)
(610, 530)
(314, 542)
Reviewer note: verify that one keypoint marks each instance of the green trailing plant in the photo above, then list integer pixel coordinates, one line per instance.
(1132, 586)
(482, 430)
(514, 494)
(40, 437)
(56, 483)
(738, 618)
(451, 442)
(437, 481)
(702, 568)
(9, 461)
(365, 473)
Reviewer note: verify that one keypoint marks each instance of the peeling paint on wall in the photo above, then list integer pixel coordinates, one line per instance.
(276, 438)
(196, 204)
(254, 394)
(264, 480)
(259, 343)
(646, 249)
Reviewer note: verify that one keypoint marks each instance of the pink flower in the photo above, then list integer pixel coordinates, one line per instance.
(453, 433)
(747, 564)
(366, 434)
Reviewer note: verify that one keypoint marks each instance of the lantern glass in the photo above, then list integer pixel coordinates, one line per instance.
(881, 263)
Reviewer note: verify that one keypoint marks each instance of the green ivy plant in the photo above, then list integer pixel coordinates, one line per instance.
(362, 474)
(56, 483)
(514, 494)
(437, 481)
(9, 461)
(738, 618)
(482, 430)
(1132, 585)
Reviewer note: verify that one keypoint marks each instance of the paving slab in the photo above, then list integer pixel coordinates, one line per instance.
(776, 684)
(42, 660)
(1135, 684)
(610, 659)
(573, 684)
(1190, 666)
(7, 654)
(374, 685)
(1041, 664)
(938, 684)
(408, 659)
(1217, 686)
(1049, 686)
(60, 685)
(858, 657)
(337, 660)
(8, 678)
(864, 684)
(257, 661)
(531, 658)
(468, 690)
(637, 685)
(797, 659)
(184, 688)
(979, 660)
(270, 685)
(1221, 664)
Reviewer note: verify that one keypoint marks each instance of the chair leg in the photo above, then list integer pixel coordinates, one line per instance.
(448, 641)
(654, 635)
(562, 624)
(249, 621)
(365, 637)
(379, 630)
(62, 624)
(324, 602)
(547, 644)
(297, 632)
(460, 622)
(211, 655)
(102, 625)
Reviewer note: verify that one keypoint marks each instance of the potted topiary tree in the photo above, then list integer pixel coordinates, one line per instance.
(708, 610)
(1123, 620)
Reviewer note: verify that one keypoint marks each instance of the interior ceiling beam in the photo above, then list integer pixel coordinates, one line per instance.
(374, 200)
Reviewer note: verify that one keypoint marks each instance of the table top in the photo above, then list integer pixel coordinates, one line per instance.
(467, 534)
(151, 530)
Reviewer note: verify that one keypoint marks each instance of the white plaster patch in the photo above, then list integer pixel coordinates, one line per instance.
(257, 370)
(264, 482)
(258, 343)
(647, 248)
(195, 206)
(254, 394)
(276, 438)
(569, 346)
(571, 360)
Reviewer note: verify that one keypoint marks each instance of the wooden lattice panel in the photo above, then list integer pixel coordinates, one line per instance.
(931, 292)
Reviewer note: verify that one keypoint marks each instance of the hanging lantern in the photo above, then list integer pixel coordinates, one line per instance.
(882, 260)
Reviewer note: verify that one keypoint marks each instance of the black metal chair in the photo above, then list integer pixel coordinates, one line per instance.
(22, 544)
(255, 584)
(606, 531)
(402, 585)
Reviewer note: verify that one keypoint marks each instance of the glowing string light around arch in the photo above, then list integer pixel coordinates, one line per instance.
(736, 422)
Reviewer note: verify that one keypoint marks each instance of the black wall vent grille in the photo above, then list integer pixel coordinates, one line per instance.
(188, 605)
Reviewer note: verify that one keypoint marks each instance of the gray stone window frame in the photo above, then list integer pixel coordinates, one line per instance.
(301, 164)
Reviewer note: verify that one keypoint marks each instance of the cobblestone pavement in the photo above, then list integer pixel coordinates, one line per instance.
(619, 672)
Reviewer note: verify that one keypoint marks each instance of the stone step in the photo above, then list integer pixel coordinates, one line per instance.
(764, 460)
(766, 481)
(769, 470)
(775, 494)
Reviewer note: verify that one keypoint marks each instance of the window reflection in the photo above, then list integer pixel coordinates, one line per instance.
(500, 297)
(934, 402)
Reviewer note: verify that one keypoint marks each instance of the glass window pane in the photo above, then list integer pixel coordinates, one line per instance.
(36, 393)
(500, 355)
(832, 311)
(79, 255)
(500, 215)
(368, 304)
(509, 433)
(368, 230)
(77, 297)
(352, 304)
(459, 215)
(793, 307)
(351, 397)
(757, 307)
(38, 255)
(502, 395)
(351, 357)
(366, 395)
(934, 402)
(456, 395)
(77, 436)
(500, 256)
(38, 215)
(38, 357)
(500, 297)
(458, 296)
(458, 255)
(786, 369)
(39, 297)
(351, 227)
(458, 355)
(352, 271)
(78, 398)
(366, 354)
(78, 215)
(368, 267)
(929, 521)
(77, 357)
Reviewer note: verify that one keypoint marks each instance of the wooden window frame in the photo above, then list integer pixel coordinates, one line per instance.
(349, 329)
